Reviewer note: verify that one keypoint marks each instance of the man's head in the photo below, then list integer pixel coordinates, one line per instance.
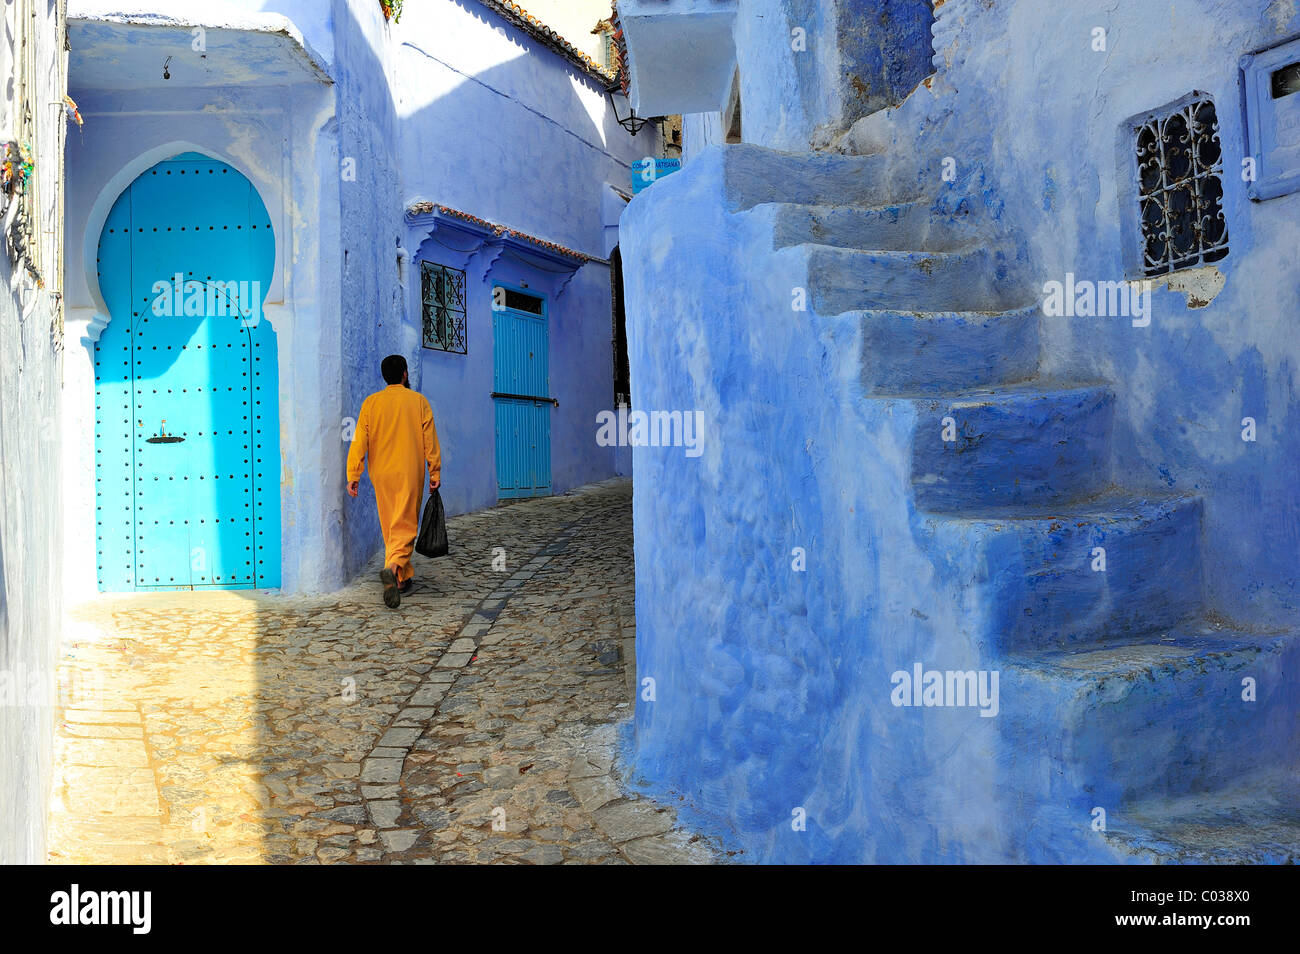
(393, 368)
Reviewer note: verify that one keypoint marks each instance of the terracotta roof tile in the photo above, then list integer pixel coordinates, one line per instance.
(620, 44)
(427, 207)
(514, 13)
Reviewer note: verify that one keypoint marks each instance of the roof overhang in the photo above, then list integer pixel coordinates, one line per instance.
(451, 237)
(116, 50)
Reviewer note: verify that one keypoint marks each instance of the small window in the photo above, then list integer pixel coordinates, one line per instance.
(1180, 184)
(443, 295)
(1286, 81)
(521, 301)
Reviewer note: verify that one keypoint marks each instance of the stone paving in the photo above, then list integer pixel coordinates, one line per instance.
(475, 724)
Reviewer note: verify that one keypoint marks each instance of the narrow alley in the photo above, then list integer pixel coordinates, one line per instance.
(476, 723)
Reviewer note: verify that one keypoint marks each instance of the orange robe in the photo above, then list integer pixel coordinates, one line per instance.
(395, 433)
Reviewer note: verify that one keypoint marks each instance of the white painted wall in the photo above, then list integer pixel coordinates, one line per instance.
(274, 136)
(31, 339)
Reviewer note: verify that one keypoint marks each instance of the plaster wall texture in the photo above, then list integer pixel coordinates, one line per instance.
(699, 131)
(175, 23)
(31, 346)
(372, 323)
(772, 689)
(314, 18)
(771, 699)
(809, 69)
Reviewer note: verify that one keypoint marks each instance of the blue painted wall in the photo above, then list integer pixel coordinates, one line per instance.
(885, 51)
(810, 68)
(771, 683)
(497, 125)
(371, 235)
(31, 603)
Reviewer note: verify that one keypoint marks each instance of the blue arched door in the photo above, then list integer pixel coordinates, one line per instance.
(187, 452)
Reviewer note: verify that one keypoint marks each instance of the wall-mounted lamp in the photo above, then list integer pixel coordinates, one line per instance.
(631, 122)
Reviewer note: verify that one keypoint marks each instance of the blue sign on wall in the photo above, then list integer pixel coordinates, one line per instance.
(646, 171)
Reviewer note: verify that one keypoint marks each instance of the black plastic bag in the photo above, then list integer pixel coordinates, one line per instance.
(432, 541)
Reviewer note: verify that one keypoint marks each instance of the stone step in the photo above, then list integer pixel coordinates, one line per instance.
(906, 226)
(1162, 716)
(909, 353)
(1020, 444)
(754, 175)
(1031, 569)
(1256, 822)
(842, 279)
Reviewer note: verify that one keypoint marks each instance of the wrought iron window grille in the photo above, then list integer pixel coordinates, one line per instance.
(442, 293)
(1180, 187)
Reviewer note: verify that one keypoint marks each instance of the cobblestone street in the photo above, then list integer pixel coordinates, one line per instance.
(477, 723)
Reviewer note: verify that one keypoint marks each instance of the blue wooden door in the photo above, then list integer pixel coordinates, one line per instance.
(186, 392)
(522, 387)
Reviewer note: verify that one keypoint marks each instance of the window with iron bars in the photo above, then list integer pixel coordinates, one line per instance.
(1180, 187)
(442, 291)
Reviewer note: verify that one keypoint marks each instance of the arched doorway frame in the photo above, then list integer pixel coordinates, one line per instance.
(257, 393)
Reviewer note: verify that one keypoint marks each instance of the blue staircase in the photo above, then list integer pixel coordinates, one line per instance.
(1121, 689)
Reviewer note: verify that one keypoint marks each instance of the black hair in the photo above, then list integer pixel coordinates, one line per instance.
(392, 368)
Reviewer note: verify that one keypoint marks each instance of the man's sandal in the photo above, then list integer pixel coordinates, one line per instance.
(392, 594)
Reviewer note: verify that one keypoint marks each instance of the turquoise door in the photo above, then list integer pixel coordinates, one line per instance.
(187, 451)
(521, 390)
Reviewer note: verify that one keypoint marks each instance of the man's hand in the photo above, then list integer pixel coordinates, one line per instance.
(354, 487)
(434, 484)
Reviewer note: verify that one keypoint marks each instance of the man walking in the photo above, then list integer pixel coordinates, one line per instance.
(395, 433)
